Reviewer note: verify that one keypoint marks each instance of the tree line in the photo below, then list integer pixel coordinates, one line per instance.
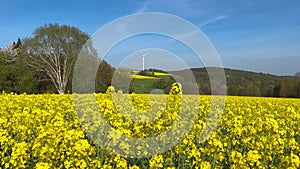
(245, 83)
(44, 63)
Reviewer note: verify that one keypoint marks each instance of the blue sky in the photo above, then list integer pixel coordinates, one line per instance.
(261, 36)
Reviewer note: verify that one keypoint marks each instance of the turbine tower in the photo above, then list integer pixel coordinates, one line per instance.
(143, 59)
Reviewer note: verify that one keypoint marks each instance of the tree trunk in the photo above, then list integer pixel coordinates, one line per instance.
(61, 91)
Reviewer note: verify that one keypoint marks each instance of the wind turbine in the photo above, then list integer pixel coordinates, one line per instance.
(143, 58)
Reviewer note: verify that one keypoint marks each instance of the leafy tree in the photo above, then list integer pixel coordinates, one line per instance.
(53, 49)
(10, 53)
(18, 45)
(104, 76)
(121, 81)
(276, 90)
(298, 90)
(233, 90)
(287, 87)
(7, 74)
(16, 77)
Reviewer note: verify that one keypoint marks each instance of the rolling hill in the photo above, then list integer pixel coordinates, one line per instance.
(238, 82)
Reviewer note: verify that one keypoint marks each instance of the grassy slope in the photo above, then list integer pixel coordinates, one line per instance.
(143, 84)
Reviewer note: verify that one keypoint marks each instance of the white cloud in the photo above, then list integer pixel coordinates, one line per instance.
(213, 20)
(144, 7)
(187, 34)
(183, 8)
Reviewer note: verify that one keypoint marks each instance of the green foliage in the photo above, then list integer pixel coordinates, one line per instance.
(104, 76)
(16, 77)
(53, 49)
(67, 42)
(140, 85)
(245, 83)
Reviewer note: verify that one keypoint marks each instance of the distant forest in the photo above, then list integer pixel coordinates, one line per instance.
(246, 83)
(16, 76)
(28, 66)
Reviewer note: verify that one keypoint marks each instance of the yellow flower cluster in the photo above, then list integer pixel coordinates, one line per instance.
(44, 131)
